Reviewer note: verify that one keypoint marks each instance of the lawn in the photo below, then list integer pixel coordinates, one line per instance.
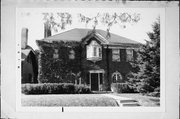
(68, 100)
(143, 100)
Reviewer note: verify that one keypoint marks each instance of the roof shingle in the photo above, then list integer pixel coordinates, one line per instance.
(77, 34)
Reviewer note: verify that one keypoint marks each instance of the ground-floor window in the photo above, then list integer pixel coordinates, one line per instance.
(116, 77)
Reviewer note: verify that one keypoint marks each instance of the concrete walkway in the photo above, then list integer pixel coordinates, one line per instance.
(123, 101)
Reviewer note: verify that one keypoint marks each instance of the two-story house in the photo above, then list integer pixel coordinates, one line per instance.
(104, 57)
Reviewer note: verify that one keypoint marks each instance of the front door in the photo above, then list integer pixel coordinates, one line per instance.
(94, 82)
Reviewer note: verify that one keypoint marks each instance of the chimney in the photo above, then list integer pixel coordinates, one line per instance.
(24, 37)
(47, 30)
(108, 35)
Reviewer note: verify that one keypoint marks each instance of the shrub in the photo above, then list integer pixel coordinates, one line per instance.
(156, 92)
(54, 88)
(121, 88)
(82, 89)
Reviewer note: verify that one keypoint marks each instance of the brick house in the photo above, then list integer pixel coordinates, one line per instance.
(104, 58)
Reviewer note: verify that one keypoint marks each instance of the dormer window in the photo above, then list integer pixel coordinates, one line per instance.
(94, 50)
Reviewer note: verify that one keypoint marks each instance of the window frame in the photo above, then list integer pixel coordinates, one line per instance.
(116, 74)
(115, 54)
(93, 50)
(129, 56)
(72, 54)
(55, 54)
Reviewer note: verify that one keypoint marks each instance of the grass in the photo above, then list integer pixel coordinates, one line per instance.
(68, 100)
(147, 101)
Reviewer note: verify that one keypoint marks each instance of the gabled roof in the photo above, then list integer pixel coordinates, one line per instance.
(25, 53)
(77, 34)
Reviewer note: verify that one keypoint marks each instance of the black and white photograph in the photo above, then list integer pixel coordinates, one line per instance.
(90, 57)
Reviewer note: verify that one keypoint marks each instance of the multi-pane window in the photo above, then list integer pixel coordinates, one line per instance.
(116, 55)
(116, 77)
(129, 54)
(94, 50)
(55, 55)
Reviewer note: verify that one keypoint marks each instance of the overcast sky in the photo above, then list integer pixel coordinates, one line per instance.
(32, 19)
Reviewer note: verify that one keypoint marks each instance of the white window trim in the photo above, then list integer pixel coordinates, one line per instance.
(90, 50)
(116, 76)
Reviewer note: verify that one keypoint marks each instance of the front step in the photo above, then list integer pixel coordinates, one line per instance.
(123, 101)
(130, 104)
(128, 101)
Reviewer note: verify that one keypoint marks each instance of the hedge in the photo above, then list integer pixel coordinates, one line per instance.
(55, 88)
(121, 88)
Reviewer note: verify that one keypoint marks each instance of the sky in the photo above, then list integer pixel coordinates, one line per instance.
(32, 19)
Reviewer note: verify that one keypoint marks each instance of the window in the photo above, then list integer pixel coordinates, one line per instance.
(71, 54)
(55, 55)
(94, 50)
(116, 55)
(116, 77)
(100, 52)
(129, 54)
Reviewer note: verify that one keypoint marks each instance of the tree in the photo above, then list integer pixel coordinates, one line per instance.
(59, 21)
(147, 79)
(109, 20)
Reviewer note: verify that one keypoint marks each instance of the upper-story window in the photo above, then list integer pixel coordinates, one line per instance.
(55, 55)
(129, 54)
(71, 54)
(94, 50)
(116, 55)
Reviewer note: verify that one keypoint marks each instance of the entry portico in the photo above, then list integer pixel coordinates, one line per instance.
(96, 78)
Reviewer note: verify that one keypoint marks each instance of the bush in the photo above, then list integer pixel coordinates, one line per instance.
(121, 88)
(156, 92)
(82, 89)
(55, 88)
